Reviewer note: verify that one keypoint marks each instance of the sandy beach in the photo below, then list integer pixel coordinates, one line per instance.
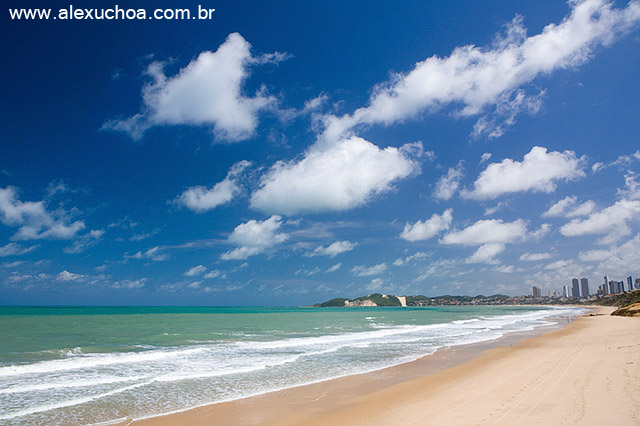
(587, 373)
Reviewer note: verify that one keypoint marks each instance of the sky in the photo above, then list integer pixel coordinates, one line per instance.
(287, 152)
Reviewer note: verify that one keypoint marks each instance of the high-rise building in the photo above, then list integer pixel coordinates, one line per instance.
(616, 287)
(638, 283)
(630, 282)
(565, 291)
(575, 288)
(584, 287)
(605, 288)
(536, 292)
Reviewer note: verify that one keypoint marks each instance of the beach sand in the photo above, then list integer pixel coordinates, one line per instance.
(587, 373)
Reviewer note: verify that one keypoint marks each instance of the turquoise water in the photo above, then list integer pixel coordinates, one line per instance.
(85, 365)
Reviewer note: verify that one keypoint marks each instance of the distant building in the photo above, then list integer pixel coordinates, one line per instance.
(638, 283)
(536, 292)
(605, 288)
(630, 282)
(575, 288)
(584, 287)
(616, 287)
(565, 291)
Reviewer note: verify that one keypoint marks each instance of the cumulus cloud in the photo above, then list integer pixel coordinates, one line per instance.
(195, 271)
(68, 276)
(539, 171)
(254, 237)
(429, 228)
(334, 177)
(567, 208)
(491, 231)
(489, 80)
(534, 257)
(13, 249)
(448, 184)
(632, 187)
(34, 220)
(201, 199)
(486, 253)
(595, 255)
(363, 271)
(540, 232)
(610, 221)
(624, 259)
(207, 92)
(559, 264)
(333, 249)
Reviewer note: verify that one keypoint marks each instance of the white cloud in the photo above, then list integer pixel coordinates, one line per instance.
(508, 107)
(486, 253)
(534, 257)
(13, 249)
(559, 264)
(213, 274)
(68, 276)
(567, 208)
(489, 80)
(448, 184)
(195, 271)
(333, 249)
(154, 253)
(540, 232)
(429, 228)
(335, 267)
(559, 208)
(201, 199)
(33, 219)
(334, 177)
(595, 255)
(626, 160)
(376, 284)
(611, 221)
(491, 210)
(623, 260)
(490, 231)
(194, 284)
(85, 241)
(596, 167)
(363, 271)
(416, 256)
(538, 172)
(254, 237)
(208, 91)
(130, 284)
(506, 269)
(632, 191)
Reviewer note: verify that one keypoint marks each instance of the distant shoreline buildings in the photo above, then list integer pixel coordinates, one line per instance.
(579, 288)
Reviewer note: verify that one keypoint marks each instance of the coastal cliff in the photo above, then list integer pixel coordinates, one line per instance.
(632, 310)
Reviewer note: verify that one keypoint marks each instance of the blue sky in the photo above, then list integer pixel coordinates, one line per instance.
(285, 153)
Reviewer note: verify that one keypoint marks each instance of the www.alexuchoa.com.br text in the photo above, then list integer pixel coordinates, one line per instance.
(112, 13)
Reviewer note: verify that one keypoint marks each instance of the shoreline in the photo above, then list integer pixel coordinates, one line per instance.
(319, 399)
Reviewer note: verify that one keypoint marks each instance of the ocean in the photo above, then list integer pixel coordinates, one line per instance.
(86, 365)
